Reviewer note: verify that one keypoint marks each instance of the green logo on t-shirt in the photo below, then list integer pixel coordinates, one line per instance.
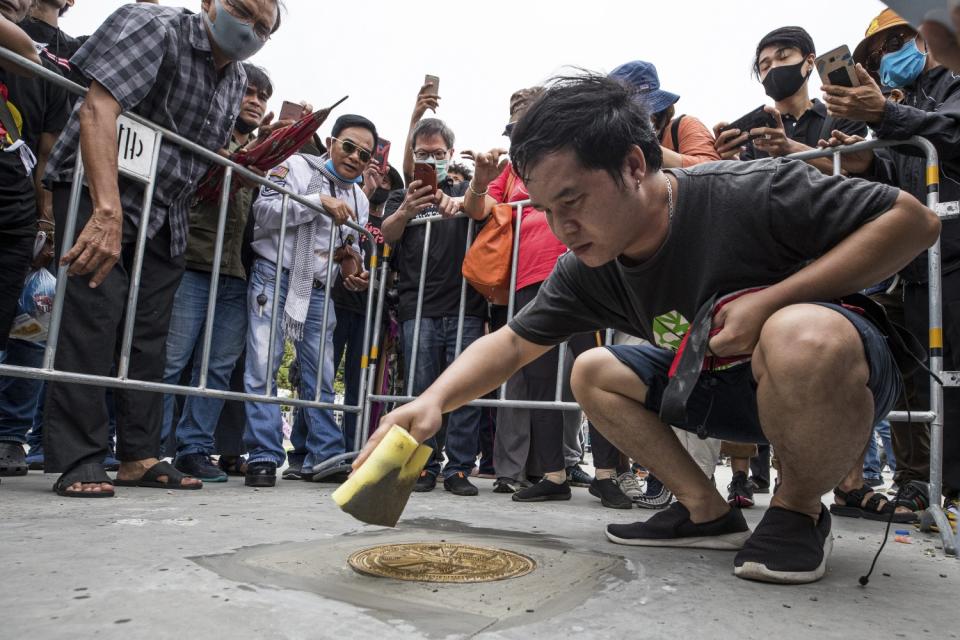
(669, 329)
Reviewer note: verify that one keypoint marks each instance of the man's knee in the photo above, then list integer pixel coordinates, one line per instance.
(598, 369)
(810, 339)
(586, 369)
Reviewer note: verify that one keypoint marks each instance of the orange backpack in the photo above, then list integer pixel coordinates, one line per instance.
(487, 263)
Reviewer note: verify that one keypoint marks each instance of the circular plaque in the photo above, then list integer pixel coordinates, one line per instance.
(440, 562)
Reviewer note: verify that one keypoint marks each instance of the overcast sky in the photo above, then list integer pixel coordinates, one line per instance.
(377, 52)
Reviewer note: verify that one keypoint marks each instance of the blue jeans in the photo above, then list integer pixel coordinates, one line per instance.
(435, 352)
(872, 467)
(348, 337)
(198, 420)
(19, 397)
(264, 434)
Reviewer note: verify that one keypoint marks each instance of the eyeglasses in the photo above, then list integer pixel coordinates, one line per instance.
(894, 42)
(241, 12)
(421, 155)
(349, 148)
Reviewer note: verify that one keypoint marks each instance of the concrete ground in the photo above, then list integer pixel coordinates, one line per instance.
(232, 562)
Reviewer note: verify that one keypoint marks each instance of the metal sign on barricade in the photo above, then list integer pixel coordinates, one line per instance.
(138, 148)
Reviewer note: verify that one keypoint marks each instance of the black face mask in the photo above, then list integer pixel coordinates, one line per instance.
(783, 82)
(244, 128)
(379, 196)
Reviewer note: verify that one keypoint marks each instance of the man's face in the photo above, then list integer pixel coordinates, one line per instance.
(253, 106)
(889, 41)
(15, 10)
(777, 56)
(346, 151)
(431, 146)
(596, 218)
(260, 14)
(455, 177)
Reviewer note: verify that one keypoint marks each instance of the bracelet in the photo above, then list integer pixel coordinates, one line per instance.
(474, 191)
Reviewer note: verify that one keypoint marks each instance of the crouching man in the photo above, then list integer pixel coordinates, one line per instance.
(649, 248)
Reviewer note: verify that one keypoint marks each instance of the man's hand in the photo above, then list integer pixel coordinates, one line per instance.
(268, 126)
(448, 206)
(730, 143)
(97, 248)
(420, 417)
(359, 282)
(339, 209)
(489, 165)
(426, 99)
(740, 322)
(418, 198)
(773, 140)
(855, 163)
(864, 103)
(371, 179)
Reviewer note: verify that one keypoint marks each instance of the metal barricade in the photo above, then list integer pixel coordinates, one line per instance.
(934, 514)
(146, 175)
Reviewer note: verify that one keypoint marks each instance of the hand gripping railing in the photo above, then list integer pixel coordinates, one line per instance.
(232, 170)
(934, 416)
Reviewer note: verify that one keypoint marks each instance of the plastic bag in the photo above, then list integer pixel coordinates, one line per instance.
(34, 307)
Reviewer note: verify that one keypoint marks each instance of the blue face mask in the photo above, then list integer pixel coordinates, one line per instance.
(332, 169)
(901, 68)
(236, 39)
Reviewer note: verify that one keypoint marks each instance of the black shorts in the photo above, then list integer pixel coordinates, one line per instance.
(724, 404)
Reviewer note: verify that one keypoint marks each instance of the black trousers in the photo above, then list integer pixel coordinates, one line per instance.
(16, 253)
(76, 426)
(546, 425)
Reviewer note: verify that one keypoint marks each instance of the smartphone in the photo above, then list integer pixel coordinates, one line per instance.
(837, 67)
(425, 173)
(291, 110)
(756, 118)
(381, 154)
(435, 81)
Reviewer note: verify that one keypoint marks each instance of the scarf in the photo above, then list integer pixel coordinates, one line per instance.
(300, 283)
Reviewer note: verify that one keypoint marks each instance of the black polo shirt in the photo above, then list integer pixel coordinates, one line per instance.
(813, 125)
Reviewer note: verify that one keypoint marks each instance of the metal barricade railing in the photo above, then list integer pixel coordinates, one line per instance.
(148, 179)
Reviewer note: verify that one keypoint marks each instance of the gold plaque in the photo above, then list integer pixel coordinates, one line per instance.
(440, 562)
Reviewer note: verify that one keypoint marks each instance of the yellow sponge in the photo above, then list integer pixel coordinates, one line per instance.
(377, 492)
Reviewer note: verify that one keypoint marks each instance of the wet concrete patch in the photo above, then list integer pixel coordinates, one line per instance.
(565, 577)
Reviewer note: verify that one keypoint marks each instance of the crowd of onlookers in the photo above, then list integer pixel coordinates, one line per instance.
(186, 72)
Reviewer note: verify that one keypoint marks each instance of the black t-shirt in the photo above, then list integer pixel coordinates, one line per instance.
(813, 125)
(36, 107)
(51, 38)
(441, 293)
(356, 301)
(737, 225)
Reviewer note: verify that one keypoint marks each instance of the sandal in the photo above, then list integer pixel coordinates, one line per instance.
(876, 506)
(232, 465)
(89, 473)
(151, 479)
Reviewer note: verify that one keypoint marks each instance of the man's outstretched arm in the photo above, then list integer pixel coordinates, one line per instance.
(484, 366)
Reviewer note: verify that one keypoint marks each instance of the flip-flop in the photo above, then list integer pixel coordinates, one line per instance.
(150, 479)
(89, 473)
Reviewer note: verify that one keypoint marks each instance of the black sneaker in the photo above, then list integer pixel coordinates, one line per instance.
(261, 473)
(508, 485)
(200, 467)
(759, 486)
(672, 528)
(914, 495)
(543, 491)
(610, 494)
(577, 477)
(426, 482)
(294, 470)
(13, 459)
(458, 485)
(740, 492)
(786, 548)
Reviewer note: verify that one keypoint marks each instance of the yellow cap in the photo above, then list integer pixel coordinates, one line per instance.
(887, 19)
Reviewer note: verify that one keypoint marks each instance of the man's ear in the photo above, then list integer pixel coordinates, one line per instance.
(635, 166)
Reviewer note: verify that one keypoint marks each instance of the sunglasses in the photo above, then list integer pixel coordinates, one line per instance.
(893, 43)
(349, 148)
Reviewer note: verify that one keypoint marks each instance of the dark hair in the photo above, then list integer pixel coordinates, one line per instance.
(792, 37)
(352, 120)
(590, 114)
(462, 169)
(280, 8)
(257, 76)
(432, 127)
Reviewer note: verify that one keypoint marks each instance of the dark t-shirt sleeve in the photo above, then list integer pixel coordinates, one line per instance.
(562, 307)
(125, 54)
(810, 212)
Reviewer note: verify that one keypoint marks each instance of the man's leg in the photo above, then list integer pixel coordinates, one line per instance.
(324, 437)
(428, 367)
(353, 349)
(18, 406)
(463, 425)
(511, 445)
